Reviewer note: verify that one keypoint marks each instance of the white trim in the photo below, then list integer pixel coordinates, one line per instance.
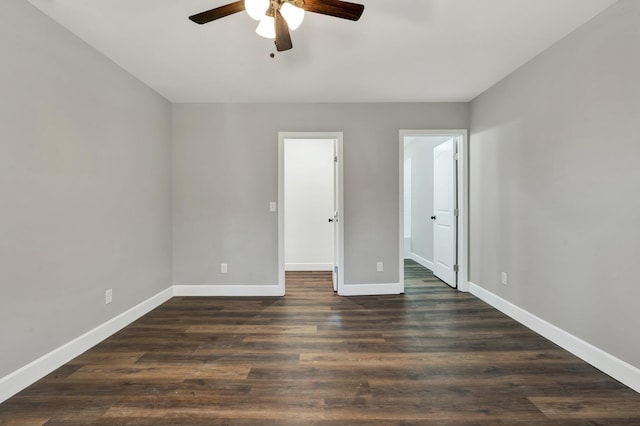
(372, 289)
(607, 363)
(281, 260)
(463, 209)
(228, 290)
(421, 260)
(308, 266)
(340, 186)
(407, 245)
(27, 375)
(35, 370)
(401, 213)
(341, 215)
(463, 199)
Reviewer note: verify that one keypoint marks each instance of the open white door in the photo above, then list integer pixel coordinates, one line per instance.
(335, 218)
(445, 212)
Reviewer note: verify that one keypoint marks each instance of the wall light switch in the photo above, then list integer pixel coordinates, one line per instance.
(272, 206)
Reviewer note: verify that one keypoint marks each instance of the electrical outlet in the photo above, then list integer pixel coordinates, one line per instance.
(108, 296)
(380, 267)
(504, 278)
(223, 268)
(273, 206)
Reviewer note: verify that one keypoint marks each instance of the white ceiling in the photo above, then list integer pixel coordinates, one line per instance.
(400, 50)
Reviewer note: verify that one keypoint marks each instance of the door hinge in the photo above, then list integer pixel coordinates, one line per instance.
(456, 212)
(455, 268)
(456, 156)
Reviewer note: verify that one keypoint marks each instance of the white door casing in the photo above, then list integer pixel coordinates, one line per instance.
(335, 217)
(461, 136)
(444, 216)
(338, 222)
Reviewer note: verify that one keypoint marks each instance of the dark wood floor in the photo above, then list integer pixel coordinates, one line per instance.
(431, 356)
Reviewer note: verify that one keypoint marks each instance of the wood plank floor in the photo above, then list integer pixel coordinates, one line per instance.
(431, 356)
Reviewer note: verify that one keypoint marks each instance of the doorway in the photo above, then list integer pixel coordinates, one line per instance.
(433, 203)
(310, 224)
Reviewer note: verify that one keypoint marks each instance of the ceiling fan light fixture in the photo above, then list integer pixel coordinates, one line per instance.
(266, 27)
(292, 14)
(278, 17)
(256, 8)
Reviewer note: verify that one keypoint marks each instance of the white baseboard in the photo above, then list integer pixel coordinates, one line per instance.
(228, 290)
(607, 363)
(422, 261)
(371, 289)
(34, 371)
(308, 266)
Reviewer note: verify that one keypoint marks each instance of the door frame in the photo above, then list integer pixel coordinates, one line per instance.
(339, 185)
(463, 200)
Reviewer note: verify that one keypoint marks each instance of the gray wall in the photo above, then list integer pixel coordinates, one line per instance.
(84, 187)
(226, 172)
(554, 182)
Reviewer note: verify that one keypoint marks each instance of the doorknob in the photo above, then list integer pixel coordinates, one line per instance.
(433, 218)
(330, 219)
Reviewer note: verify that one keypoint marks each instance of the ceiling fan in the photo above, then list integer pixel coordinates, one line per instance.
(277, 17)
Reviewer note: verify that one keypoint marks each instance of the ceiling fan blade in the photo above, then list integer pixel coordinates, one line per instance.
(283, 37)
(337, 8)
(218, 12)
